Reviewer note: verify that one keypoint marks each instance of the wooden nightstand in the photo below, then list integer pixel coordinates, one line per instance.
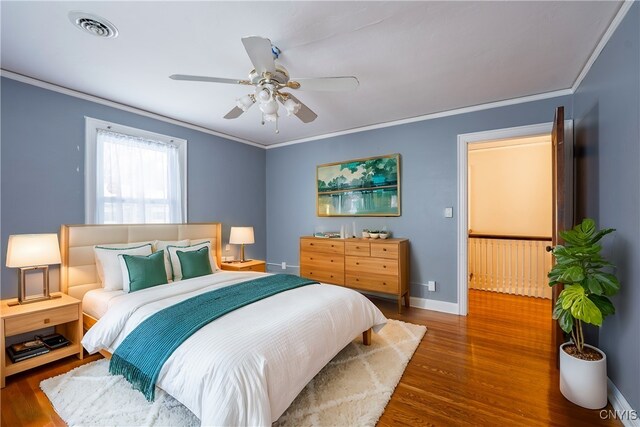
(65, 313)
(253, 265)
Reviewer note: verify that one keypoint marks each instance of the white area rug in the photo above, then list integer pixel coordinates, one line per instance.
(353, 389)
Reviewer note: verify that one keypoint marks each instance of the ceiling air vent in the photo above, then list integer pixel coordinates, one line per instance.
(93, 24)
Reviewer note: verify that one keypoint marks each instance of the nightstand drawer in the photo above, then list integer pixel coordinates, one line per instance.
(259, 268)
(38, 320)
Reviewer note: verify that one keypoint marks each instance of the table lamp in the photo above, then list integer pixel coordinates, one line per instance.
(241, 236)
(33, 252)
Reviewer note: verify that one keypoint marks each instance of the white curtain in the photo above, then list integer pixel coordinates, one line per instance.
(137, 180)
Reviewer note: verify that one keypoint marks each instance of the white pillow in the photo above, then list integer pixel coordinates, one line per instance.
(108, 264)
(161, 245)
(175, 261)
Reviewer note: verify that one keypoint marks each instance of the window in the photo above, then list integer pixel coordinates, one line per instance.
(133, 176)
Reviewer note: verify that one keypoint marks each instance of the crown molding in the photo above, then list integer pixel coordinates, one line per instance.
(622, 12)
(624, 9)
(447, 113)
(81, 95)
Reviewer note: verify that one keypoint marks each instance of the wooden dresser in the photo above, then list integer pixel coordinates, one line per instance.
(374, 265)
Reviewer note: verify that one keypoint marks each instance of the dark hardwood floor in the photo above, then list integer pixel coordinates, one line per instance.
(491, 368)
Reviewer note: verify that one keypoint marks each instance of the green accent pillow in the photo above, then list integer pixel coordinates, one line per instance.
(142, 272)
(194, 263)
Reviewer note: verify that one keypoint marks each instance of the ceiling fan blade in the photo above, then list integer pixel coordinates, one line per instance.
(326, 83)
(234, 113)
(208, 79)
(259, 51)
(305, 114)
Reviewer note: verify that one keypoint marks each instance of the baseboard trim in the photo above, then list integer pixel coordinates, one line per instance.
(628, 416)
(434, 305)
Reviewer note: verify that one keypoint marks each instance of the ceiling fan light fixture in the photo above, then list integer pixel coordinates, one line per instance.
(245, 102)
(269, 107)
(271, 117)
(291, 106)
(263, 95)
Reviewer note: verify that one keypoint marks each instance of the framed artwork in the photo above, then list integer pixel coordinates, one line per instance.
(359, 187)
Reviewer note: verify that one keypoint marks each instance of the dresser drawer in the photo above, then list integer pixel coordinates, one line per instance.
(38, 320)
(372, 283)
(371, 266)
(326, 276)
(357, 248)
(384, 250)
(322, 245)
(319, 260)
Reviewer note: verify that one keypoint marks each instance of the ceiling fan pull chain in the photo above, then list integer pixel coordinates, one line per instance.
(277, 130)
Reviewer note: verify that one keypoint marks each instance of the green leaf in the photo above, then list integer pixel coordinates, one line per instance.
(600, 234)
(572, 274)
(594, 286)
(584, 309)
(566, 321)
(587, 227)
(608, 281)
(604, 304)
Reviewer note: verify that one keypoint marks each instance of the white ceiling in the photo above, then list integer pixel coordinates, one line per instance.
(412, 58)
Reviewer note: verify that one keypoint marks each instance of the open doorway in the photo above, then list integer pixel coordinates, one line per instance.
(509, 211)
(498, 136)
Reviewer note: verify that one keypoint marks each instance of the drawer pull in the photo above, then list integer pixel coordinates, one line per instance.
(331, 260)
(47, 320)
(310, 244)
(332, 246)
(357, 280)
(384, 266)
(357, 263)
(384, 249)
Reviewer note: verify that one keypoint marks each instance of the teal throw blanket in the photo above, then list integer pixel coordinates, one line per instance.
(144, 351)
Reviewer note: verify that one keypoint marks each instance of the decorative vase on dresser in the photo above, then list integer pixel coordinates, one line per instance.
(380, 266)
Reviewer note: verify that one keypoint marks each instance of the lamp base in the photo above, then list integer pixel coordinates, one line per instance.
(22, 288)
(33, 299)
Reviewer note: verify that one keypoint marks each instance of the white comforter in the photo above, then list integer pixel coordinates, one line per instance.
(246, 367)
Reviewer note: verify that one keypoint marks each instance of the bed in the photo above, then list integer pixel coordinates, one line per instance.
(244, 368)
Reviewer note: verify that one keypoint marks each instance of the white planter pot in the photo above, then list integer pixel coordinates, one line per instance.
(584, 382)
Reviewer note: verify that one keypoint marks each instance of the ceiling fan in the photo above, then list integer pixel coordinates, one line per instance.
(270, 79)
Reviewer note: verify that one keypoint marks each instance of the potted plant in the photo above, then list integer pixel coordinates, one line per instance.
(585, 299)
(384, 234)
(374, 234)
(365, 233)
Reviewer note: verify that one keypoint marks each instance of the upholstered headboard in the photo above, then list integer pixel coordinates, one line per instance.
(78, 273)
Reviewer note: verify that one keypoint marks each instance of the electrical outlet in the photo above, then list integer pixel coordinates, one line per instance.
(227, 247)
(284, 265)
(431, 286)
(448, 212)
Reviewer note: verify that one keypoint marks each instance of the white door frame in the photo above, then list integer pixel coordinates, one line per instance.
(463, 210)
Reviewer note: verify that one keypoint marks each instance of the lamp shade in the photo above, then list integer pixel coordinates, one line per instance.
(241, 235)
(29, 250)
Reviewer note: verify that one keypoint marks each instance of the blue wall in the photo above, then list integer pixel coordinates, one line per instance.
(606, 109)
(42, 161)
(429, 184)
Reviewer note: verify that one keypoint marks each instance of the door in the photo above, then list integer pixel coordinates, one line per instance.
(561, 208)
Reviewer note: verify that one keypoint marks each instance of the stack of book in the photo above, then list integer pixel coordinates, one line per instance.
(26, 350)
